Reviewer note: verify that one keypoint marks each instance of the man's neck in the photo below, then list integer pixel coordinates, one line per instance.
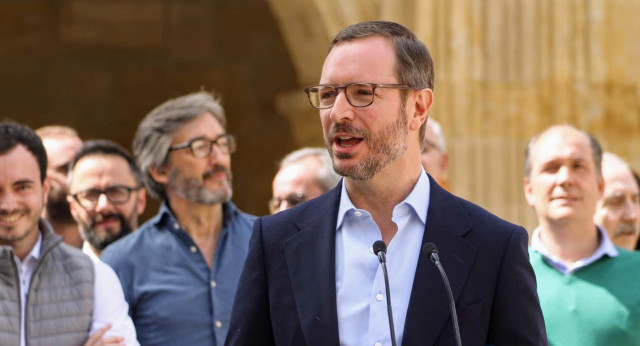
(570, 241)
(94, 250)
(69, 231)
(203, 223)
(380, 195)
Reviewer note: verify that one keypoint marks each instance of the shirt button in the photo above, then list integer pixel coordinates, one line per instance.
(176, 226)
(377, 344)
(357, 213)
(218, 324)
(213, 284)
(379, 297)
(193, 248)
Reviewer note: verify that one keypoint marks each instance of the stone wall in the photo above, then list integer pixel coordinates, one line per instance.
(101, 65)
(505, 70)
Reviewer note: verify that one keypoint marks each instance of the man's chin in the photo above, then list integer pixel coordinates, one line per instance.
(626, 240)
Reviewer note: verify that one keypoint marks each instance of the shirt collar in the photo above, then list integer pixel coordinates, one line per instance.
(416, 199)
(165, 215)
(88, 250)
(35, 250)
(606, 248)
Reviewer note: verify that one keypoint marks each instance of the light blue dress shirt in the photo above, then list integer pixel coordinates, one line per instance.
(360, 289)
(606, 247)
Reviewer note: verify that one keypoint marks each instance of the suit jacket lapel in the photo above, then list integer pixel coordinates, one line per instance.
(429, 303)
(310, 259)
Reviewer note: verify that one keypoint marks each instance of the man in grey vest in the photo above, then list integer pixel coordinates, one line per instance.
(50, 293)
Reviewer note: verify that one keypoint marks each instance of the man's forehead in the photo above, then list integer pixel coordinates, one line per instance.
(107, 165)
(565, 145)
(23, 167)
(204, 125)
(360, 60)
(60, 149)
(61, 142)
(100, 160)
(620, 182)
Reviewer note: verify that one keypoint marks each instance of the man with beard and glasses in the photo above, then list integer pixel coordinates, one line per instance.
(312, 277)
(588, 288)
(180, 270)
(50, 293)
(618, 210)
(61, 144)
(105, 194)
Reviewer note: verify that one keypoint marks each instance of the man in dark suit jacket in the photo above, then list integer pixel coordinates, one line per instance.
(298, 286)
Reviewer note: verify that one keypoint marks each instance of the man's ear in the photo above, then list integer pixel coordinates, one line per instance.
(141, 203)
(159, 174)
(444, 164)
(46, 185)
(72, 207)
(422, 102)
(601, 185)
(528, 192)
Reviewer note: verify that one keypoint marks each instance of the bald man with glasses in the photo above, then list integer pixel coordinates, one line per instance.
(304, 174)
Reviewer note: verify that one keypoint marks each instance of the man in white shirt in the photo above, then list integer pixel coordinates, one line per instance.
(51, 293)
(105, 194)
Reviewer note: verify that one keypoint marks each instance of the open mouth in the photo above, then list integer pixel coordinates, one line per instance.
(347, 141)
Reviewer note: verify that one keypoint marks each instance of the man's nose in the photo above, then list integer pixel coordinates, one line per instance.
(342, 110)
(8, 202)
(103, 203)
(632, 210)
(563, 176)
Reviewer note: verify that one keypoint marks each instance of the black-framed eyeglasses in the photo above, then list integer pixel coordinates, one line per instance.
(202, 147)
(292, 199)
(323, 96)
(116, 194)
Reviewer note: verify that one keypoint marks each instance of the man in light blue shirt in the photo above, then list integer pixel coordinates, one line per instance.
(180, 270)
(311, 277)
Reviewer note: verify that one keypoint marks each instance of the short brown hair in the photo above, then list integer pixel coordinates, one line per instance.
(414, 65)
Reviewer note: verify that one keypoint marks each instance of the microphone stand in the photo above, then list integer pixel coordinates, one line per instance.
(431, 250)
(380, 249)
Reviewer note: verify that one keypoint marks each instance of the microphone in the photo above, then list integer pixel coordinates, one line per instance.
(431, 250)
(380, 249)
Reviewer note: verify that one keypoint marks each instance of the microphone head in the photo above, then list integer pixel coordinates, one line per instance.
(378, 246)
(430, 250)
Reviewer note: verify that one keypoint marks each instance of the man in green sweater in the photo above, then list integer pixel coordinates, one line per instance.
(589, 290)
